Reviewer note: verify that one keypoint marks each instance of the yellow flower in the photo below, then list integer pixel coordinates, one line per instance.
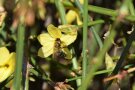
(57, 39)
(7, 63)
(73, 15)
(81, 1)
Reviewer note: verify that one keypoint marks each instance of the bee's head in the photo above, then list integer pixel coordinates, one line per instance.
(57, 43)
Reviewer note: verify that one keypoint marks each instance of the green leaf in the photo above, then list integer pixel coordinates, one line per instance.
(109, 62)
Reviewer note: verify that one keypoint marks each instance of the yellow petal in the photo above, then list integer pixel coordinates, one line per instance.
(81, 1)
(48, 43)
(2, 74)
(54, 31)
(7, 69)
(67, 53)
(68, 39)
(79, 22)
(70, 16)
(70, 34)
(68, 29)
(45, 39)
(45, 51)
(109, 62)
(4, 54)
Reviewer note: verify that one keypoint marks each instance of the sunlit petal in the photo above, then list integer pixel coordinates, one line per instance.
(68, 39)
(45, 51)
(45, 38)
(68, 29)
(78, 20)
(70, 16)
(4, 54)
(54, 31)
(7, 69)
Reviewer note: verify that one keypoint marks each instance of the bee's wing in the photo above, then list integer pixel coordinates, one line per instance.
(48, 43)
(54, 31)
(67, 53)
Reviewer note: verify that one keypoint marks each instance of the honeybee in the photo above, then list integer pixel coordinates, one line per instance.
(60, 50)
(55, 42)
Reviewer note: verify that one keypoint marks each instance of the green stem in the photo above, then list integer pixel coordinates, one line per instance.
(131, 8)
(72, 79)
(85, 33)
(131, 56)
(122, 57)
(25, 66)
(92, 23)
(124, 53)
(27, 81)
(61, 10)
(96, 73)
(96, 36)
(19, 57)
(104, 11)
(78, 4)
(98, 61)
(109, 12)
(75, 67)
